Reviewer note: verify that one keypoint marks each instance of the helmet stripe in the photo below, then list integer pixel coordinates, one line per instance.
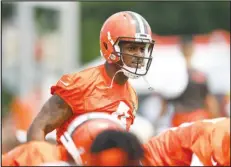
(141, 26)
(145, 26)
(138, 30)
(140, 23)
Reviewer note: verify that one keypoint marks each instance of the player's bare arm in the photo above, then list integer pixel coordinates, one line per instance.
(52, 115)
(212, 105)
(164, 105)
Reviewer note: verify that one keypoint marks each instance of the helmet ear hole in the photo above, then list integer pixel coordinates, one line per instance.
(105, 45)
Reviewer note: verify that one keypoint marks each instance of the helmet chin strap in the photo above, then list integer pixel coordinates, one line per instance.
(135, 76)
(126, 73)
(126, 70)
(129, 75)
(132, 76)
(150, 88)
(114, 78)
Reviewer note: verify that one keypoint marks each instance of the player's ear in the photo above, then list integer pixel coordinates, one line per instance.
(126, 141)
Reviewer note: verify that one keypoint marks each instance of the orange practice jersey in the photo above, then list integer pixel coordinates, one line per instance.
(34, 153)
(209, 140)
(88, 91)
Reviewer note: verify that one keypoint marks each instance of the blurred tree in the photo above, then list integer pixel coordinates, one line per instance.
(165, 18)
(7, 98)
(7, 11)
(46, 20)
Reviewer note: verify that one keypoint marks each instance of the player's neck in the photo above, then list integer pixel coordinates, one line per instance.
(188, 61)
(111, 70)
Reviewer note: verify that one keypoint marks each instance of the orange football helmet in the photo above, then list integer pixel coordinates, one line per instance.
(126, 26)
(81, 133)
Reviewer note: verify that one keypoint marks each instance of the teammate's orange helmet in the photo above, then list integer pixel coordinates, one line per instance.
(83, 130)
(126, 26)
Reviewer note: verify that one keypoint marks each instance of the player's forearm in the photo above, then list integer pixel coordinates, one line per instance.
(212, 106)
(163, 107)
(35, 133)
(151, 156)
(214, 110)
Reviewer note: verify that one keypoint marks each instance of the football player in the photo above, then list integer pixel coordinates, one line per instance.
(104, 142)
(126, 44)
(196, 102)
(81, 144)
(207, 140)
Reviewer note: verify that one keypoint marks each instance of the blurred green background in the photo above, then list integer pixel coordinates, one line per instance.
(165, 18)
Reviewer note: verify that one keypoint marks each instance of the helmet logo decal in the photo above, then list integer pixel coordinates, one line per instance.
(109, 37)
(112, 57)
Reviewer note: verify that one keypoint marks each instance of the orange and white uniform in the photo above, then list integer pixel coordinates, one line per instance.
(208, 140)
(88, 91)
(33, 154)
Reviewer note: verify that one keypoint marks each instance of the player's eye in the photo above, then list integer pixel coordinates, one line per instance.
(131, 48)
(142, 50)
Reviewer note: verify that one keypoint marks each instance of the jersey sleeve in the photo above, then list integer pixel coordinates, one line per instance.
(70, 89)
(220, 143)
(32, 154)
(9, 158)
(212, 144)
(208, 140)
(165, 150)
